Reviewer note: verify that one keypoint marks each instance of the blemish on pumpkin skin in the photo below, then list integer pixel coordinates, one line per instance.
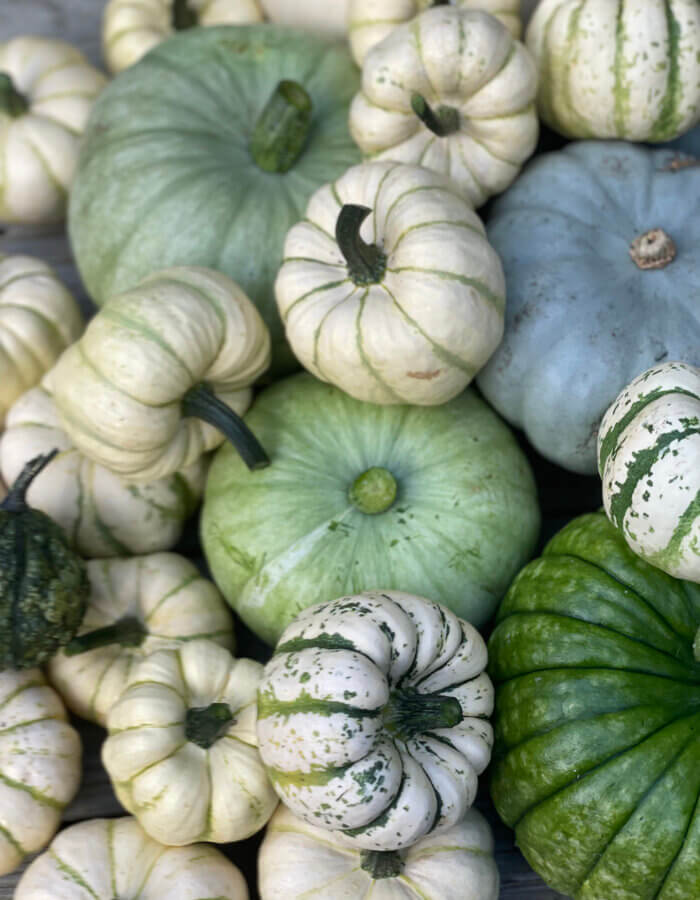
(424, 376)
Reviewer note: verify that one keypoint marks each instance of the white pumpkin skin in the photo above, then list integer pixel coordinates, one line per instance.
(479, 86)
(117, 860)
(649, 459)
(40, 762)
(615, 69)
(328, 18)
(432, 315)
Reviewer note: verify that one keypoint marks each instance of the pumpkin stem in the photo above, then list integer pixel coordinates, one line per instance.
(282, 129)
(373, 491)
(12, 103)
(366, 262)
(202, 403)
(127, 632)
(442, 121)
(16, 500)
(409, 712)
(381, 863)
(204, 725)
(653, 250)
(184, 16)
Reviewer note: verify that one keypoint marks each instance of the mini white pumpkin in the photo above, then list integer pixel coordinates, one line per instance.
(136, 606)
(450, 90)
(649, 460)
(40, 764)
(182, 752)
(115, 859)
(401, 306)
(47, 89)
(312, 15)
(39, 318)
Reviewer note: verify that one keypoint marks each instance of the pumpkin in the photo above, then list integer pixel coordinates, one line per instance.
(298, 860)
(40, 763)
(114, 858)
(39, 318)
(326, 18)
(599, 246)
(47, 89)
(452, 91)
(160, 373)
(182, 752)
(434, 500)
(370, 21)
(610, 69)
(130, 30)
(649, 460)
(598, 719)
(136, 606)
(206, 153)
(403, 306)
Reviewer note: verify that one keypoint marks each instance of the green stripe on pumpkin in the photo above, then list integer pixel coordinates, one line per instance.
(669, 120)
(672, 551)
(269, 705)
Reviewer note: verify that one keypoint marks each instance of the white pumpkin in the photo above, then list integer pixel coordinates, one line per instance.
(401, 306)
(182, 752)
(147, 603)
(40, 757)
(113, 859)
(130, 30)
(39, 318)
(450, 90)
(615, 69)
(155, 366)
(372, 717)
(370, 21)
(297, 860)
(649, 460)
(312, 15)
(47, 89)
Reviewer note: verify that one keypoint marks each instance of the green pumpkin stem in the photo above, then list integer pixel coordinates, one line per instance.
(374, 491)
(12, 103)
(443, 121)
(127, 632)
(16, 500)
(409, 712)
(381, 863)
(184, 16)
(282, 128)
(204, 725)
(366, 262)
(202, 403)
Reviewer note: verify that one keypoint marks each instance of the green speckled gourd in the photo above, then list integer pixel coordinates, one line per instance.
(43, 583)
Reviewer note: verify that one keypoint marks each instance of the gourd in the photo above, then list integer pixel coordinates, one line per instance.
(160, 374)
(115, 858)
(370, 21)
(452, 91)
(649, 460)
(297, 860)
(326, 18)
(599, 246)
(182, 752)
(136, 607)
(433, 500)
(610, 69)
(597, 718)
(354, 306)
(40, 756)
(372, 717)
(205, 154)
(47, 89)
(130, 30)
(43, 583)
(39, 318)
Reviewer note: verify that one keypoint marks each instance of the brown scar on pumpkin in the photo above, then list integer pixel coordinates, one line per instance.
(424, 376)
(678, 163)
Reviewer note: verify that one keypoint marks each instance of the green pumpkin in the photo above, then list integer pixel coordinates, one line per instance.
(598, 719)
(436, 501)
(194, 157)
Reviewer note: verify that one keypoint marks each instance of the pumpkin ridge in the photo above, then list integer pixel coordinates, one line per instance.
(668, 119)
(683, 528)
(36, 795)
(475, 283)
(181, 585)
(18, 691)
(681, 846)
(366, 364)
(72, 873)
(620, 89)
(10, 838)
(27, 723)
(320, 289)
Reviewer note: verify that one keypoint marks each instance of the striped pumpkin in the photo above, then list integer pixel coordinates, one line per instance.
(372, 718)
(649, 460)
(610, 69)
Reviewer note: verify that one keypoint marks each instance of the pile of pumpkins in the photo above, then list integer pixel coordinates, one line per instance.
(267, 186)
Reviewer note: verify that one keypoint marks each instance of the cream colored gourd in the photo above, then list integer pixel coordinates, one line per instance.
(182, 751)
(312, 15)
(40, 764)
(370, 21)
(649, 460)
(115, 859)
(147, 603)
(610, 69)
(47, 89)
(130, 30)
(450, 90)
(297, 860)
(185, 342)
(389, 288)
(39, 318)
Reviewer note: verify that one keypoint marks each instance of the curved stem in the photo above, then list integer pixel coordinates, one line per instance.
(409, 712)
(127, 632)
(16, 497)
(381, 863)
(282, 129)
(443, 121)
(204, 725)
(184, 16)
(366, 262)
(12, 103)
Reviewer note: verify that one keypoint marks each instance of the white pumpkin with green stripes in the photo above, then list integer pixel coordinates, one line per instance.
(40, 764)
(136, 606)
(618, 68)
(649, 460)
(389, 288)
(372, 717)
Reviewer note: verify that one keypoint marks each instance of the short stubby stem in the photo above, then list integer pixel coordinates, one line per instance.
(374, 491)
(653, 250)
(441, 121)
(409, 712)
(12, 103)
(127, 632)
(204, 725)
(184, 16)
(381, 863)
(282, 129)
(16, 499)
(366, 262)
